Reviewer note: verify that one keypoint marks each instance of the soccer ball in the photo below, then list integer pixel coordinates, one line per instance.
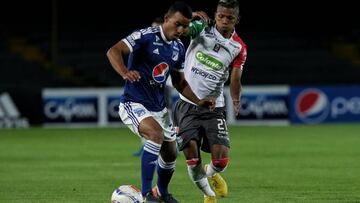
(126, 194)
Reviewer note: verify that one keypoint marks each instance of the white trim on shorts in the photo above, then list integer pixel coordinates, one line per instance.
(132, 113)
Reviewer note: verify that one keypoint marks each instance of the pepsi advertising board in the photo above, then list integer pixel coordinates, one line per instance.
(327, 104)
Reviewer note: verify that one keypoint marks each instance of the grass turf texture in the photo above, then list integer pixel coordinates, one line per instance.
(319, 163)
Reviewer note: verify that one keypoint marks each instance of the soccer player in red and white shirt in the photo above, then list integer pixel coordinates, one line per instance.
(214, 51)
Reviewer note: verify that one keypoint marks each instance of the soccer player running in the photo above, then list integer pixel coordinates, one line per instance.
(156, 22)
(214, 51)
(154, 53)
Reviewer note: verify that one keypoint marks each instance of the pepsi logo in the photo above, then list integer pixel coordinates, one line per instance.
(160, 71)
(312, 106)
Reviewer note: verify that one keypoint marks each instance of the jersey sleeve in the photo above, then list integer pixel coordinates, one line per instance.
(196, 27)
(134, 40)
(240, 59)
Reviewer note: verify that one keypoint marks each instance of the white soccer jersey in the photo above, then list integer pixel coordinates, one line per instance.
(208, 60)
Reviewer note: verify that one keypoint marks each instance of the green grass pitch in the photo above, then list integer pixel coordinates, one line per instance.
(319, 163)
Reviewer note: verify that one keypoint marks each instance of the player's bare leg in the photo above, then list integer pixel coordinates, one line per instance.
(196, 171)
(219, 162)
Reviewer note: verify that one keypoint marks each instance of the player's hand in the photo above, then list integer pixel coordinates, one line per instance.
(201, 15)
(208, 102)
(132, 76)
(236, 104)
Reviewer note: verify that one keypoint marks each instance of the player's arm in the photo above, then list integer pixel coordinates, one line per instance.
(235, 88)
(235, 80)
(116, 55)
(200, 20)
(181, 85)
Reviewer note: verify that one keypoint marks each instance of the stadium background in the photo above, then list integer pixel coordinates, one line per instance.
(63, 44)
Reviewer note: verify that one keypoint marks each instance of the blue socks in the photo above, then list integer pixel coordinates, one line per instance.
(148, 164)
(165, 171)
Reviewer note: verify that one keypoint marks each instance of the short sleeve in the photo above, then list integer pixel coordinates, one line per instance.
(240, 59)
(134, 40)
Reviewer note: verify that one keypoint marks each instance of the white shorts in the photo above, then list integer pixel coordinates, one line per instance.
(132, 114)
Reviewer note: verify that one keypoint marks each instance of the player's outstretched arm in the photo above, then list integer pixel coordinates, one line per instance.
(200, 20)
(116, 57)
(201, 15)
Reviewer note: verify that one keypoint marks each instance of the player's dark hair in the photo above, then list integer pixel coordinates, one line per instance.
(230, 4)
(181, 7)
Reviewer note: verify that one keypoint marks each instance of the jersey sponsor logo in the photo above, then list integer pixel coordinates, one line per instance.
(203, 73)
(9, 114)
(159, 72)
(209, 61)
(312, 106)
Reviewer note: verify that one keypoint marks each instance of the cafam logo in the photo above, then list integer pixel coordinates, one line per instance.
(209, 61)
(312, 106)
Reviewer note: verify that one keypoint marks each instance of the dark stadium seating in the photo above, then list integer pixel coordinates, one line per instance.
(273, 58)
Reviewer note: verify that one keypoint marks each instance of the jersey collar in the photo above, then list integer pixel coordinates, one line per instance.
(219, 34)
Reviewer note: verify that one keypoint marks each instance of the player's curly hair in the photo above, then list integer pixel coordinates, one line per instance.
(181, 7)
(230, 4)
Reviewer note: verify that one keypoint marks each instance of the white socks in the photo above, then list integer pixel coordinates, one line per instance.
(198, 176)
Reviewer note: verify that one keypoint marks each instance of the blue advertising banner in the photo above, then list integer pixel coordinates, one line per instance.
(71, 109)
(261, 105)
(112, 108)
(325, 104)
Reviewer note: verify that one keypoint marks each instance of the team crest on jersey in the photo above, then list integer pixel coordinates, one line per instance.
(175, 56)
(139, 112)
(159, 72)
(216, 47)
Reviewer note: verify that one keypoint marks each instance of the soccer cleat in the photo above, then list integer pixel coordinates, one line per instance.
(151, 198)
(209, 199)
(218, 184)
(168, 199)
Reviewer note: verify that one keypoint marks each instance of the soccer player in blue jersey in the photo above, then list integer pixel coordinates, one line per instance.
(156, 22)
(154, 54)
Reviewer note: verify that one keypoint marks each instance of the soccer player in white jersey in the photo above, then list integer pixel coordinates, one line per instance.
(214, 51)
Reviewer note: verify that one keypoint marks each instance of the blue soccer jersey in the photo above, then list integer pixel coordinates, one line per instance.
(153, 56)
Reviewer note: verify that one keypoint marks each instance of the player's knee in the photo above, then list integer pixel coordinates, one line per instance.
(169, 155)
(220, 164)
(194, 169)
(155, 135)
